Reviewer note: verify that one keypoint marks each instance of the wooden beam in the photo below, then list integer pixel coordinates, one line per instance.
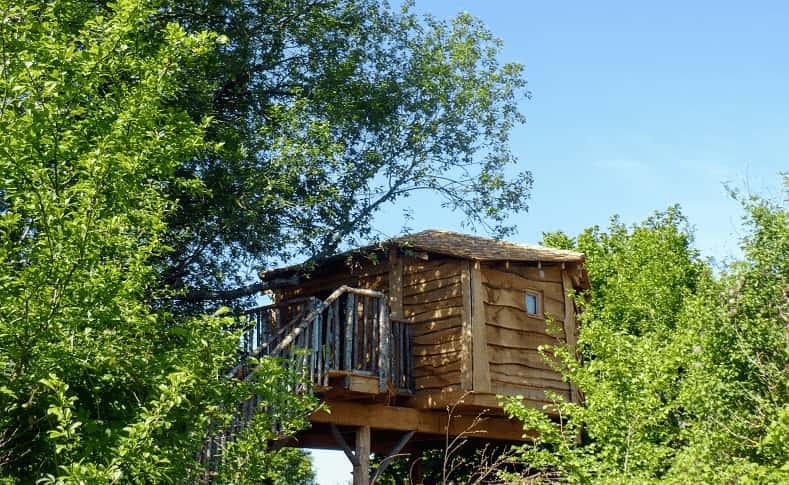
(384, 351)
(395, 283)
(570, 326)
(388, 459)
(361, 383)
(343, 444)
(466, 330)
(319, 436)
(397, 418)
(442, 400)
(470, 402)
(361, 469)
(350, 312)
(479, 346)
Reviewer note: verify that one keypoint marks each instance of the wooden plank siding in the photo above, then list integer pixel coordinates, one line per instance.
(327, 279)
(433, 301)
(513, 336)
(479, 348)
(471, 331)
(466, 329)
(458, 303)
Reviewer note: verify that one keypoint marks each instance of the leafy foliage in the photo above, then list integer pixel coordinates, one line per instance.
(684, 373)
(737, 388)
(149, 148)
(328, 111)
(96, 384)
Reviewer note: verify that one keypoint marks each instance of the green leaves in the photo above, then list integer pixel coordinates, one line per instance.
(151, 147)
(95, 383)
(683, 374)
(65, 434)
(329, 112)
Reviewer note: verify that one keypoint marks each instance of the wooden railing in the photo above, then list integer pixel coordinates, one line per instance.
(264, 325)
(402, 371)
(349, 332)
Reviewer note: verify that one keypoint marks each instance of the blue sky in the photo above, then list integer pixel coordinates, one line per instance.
(636, 106)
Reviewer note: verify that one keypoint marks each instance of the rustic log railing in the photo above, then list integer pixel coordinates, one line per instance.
(349, 332)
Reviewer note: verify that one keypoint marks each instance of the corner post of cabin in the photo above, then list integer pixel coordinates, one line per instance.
(361, 467)
(395, 314)
(480, 363)
(570, 323)
(395, 283)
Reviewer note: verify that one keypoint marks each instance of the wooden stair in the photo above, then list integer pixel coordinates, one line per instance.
(347, 340)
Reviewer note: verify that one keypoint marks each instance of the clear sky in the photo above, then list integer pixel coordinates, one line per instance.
(636, 106)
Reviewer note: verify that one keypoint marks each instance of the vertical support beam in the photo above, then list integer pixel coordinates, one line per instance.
(396, 311)
(395, 283)
(329, 348)
(350, 311)
(361, 469)
(387, 460)
(411, 382)
(375, 329)
(307, 345)
(479, 346)
(365, 337)
(384, 348)
(337, 333)
(315, 351)
(570, 325)
(466, 330)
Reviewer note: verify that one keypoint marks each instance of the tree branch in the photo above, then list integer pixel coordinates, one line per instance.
(200, 295)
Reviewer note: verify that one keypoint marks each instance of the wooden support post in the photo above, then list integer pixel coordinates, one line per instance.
(396, 283)
(365, 353)
(356, 339)
(328, 348)
(315, 352)
(361, 469)
(341, 441)
(384, 350)
(350, 311)
(375, 329)
(337, 333)
(479, 345)
(570, 325)
(392, 454)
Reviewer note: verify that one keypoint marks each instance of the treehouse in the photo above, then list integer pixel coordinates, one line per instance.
(393, 334)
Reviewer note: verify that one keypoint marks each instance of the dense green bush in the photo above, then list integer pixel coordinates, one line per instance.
(685, 366)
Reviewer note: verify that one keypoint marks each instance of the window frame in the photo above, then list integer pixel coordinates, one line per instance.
(538, 296)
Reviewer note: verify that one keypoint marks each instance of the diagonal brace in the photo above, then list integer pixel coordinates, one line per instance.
(397, 448)
(343, 444)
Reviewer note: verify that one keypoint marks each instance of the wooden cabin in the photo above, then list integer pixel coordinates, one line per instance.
(397, 332)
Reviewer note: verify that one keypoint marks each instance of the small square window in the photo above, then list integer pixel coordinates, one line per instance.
(532, 304)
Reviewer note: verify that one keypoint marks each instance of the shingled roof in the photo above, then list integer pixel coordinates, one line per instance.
(455, 244)
(483, 248)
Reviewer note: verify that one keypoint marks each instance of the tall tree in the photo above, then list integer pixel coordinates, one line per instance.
(97, 384)
(153, 150)
(329, 110)
(684, 373)
(736, 392)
